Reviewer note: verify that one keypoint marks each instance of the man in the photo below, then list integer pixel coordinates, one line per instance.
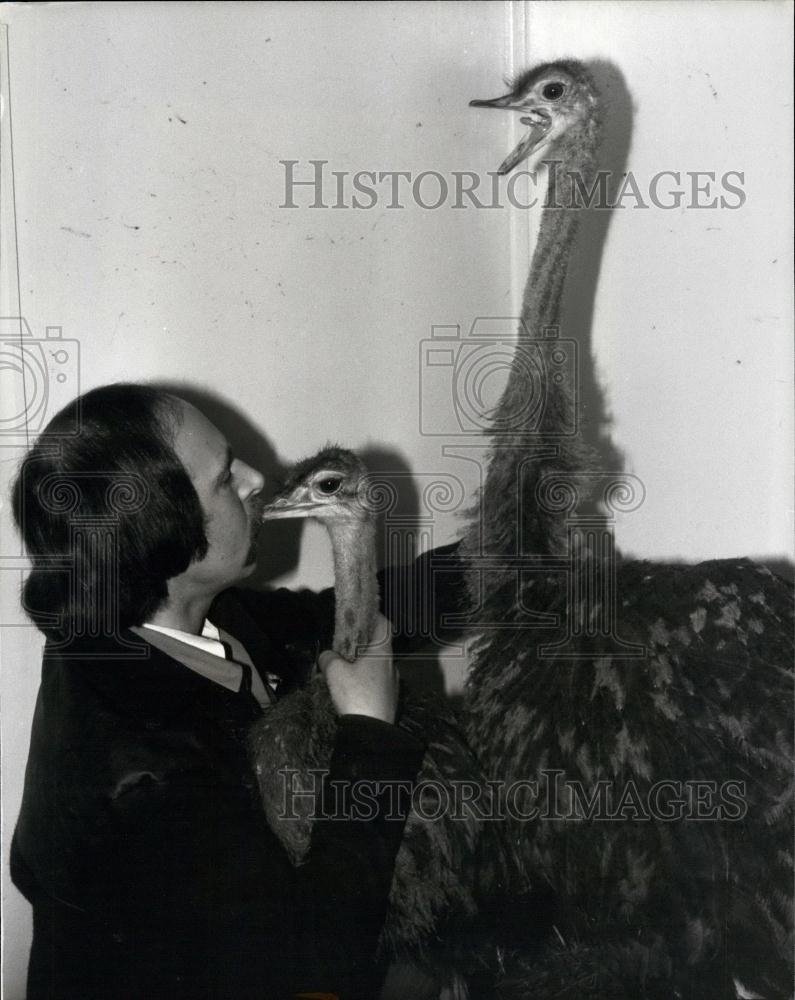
(141, 844)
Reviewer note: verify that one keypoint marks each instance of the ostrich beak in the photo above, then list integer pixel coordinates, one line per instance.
(289, 506)
(538, 120)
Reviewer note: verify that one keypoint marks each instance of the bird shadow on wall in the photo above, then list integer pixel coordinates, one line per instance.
(582, 283)
(402, 526)
(580, 290)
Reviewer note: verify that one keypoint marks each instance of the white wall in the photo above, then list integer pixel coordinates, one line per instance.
(146, 147)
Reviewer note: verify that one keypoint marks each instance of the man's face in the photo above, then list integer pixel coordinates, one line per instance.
(225, 487)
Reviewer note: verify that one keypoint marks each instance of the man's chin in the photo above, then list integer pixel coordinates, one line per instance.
(247, 567)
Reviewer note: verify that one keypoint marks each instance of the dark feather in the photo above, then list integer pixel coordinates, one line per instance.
(700, 901)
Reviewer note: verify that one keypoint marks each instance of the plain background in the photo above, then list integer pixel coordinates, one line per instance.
(146, 147)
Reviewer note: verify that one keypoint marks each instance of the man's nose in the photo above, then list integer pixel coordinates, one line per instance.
(250, 480)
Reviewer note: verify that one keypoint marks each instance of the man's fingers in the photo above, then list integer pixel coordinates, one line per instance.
(380, 645)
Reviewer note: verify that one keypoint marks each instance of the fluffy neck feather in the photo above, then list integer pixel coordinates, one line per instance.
(508, 518)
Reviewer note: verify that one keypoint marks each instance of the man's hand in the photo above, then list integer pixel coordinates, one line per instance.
(368, 686)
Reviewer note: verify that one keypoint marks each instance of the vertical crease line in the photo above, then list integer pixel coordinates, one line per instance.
(16, 230)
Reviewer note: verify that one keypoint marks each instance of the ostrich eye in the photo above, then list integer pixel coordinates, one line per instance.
(329, 486)
(553, 91)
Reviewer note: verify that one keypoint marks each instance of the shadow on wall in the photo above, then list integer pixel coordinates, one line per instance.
(586, 260)
(401, 525)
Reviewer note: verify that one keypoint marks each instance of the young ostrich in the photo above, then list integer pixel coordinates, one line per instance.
(664, 778)
(331, 488)
(435, 873)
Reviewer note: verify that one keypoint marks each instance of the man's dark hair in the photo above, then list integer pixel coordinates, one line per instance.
(107, 512)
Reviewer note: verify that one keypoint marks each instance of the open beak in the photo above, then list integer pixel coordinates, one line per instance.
(538, 120)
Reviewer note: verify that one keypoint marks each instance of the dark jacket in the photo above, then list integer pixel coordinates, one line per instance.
(144, 850)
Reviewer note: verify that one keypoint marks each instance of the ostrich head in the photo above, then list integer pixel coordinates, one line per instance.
(327, 487)
(559, 103)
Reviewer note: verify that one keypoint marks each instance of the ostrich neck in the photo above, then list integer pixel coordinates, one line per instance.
(542, 298)
(355, 583)
(530, 442)
(549, 265)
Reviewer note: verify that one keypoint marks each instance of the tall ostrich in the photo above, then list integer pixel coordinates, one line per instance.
(662, 757)
(436, 874)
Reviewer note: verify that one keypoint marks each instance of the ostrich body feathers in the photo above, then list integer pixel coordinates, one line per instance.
(663, 818)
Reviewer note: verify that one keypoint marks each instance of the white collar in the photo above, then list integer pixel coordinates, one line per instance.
(209, 640)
